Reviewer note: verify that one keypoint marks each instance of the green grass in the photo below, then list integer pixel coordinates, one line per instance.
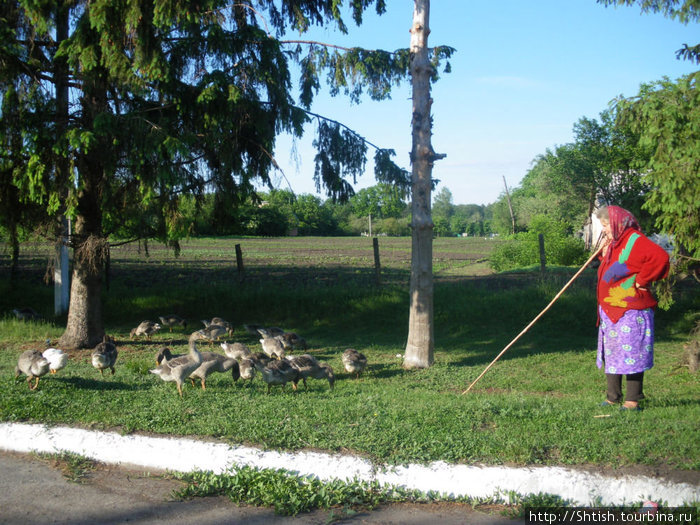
(290, 494)
(537, 405)
(75, 468)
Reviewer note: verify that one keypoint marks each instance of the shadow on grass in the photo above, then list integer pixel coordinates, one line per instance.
(515, 352)
(126, 343)
(335, 306)
(651, 402)
(383, 371)
(105, 384)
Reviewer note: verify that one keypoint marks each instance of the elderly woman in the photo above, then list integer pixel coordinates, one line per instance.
(629, 262)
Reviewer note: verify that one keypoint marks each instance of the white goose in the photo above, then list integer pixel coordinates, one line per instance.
(57, 359)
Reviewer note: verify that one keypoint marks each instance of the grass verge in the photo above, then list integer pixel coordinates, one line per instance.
(537, 405)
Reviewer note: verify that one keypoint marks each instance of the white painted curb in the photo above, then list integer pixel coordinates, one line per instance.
(186, 455)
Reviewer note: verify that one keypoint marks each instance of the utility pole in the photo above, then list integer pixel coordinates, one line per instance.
(510, 206)
(61, 275)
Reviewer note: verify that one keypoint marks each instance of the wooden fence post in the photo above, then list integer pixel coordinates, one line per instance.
(543, 257)
(239, 262)
(377, 267)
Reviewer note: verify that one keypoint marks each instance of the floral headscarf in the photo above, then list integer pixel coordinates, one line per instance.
(620, 221)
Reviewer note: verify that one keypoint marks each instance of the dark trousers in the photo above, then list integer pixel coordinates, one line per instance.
(634, 387)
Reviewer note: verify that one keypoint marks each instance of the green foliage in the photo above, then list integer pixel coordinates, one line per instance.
(689, 53)
(75, 468)
(514, 254)
(682, 10)
(501, 221)
(386, 171)
(666, 115)
(341, 154)
(564, 182)
(22, 202)
(549, 227)
(522, 250)
(173, 101)
(264, 221)
(393, 227)
(616, 155)
(442, 211)
(442, 204)
(441, 226)
(469, 219)
(357, 70)
(454, 220)
(323, 289)
(380, 201)
(280, 212)
(685, 11)
(288, 494)
(313, 218)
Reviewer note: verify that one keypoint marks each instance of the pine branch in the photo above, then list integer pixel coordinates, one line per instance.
(47, 43)
(122, 243)
(330, 120)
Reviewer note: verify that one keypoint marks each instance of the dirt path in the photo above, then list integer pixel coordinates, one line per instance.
(35, 491)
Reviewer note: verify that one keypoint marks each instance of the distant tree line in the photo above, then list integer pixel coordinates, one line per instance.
(381, 209)
(282, 212)
(642, 153)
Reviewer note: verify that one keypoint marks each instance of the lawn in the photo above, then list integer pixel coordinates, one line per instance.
(537, 405)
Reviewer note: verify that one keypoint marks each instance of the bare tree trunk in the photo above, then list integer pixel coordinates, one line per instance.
(419, 347)
(84, 328)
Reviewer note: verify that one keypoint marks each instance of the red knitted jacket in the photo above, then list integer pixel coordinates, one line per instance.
(634, 261)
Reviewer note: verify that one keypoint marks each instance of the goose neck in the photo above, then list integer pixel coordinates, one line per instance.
(196, 356)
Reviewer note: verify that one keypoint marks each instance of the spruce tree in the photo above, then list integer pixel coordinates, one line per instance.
(127, 106)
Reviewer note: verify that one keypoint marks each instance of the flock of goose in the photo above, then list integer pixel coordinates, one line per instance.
(274, 364)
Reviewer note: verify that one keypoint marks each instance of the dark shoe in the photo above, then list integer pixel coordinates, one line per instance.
(631, 409)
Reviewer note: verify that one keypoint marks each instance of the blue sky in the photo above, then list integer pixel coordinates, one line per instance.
(524, 72)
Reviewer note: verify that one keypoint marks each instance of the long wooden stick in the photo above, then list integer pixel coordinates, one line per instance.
(595, 254)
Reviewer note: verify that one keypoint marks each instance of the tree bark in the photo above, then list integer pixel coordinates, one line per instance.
(84, 328)
(419, 347)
